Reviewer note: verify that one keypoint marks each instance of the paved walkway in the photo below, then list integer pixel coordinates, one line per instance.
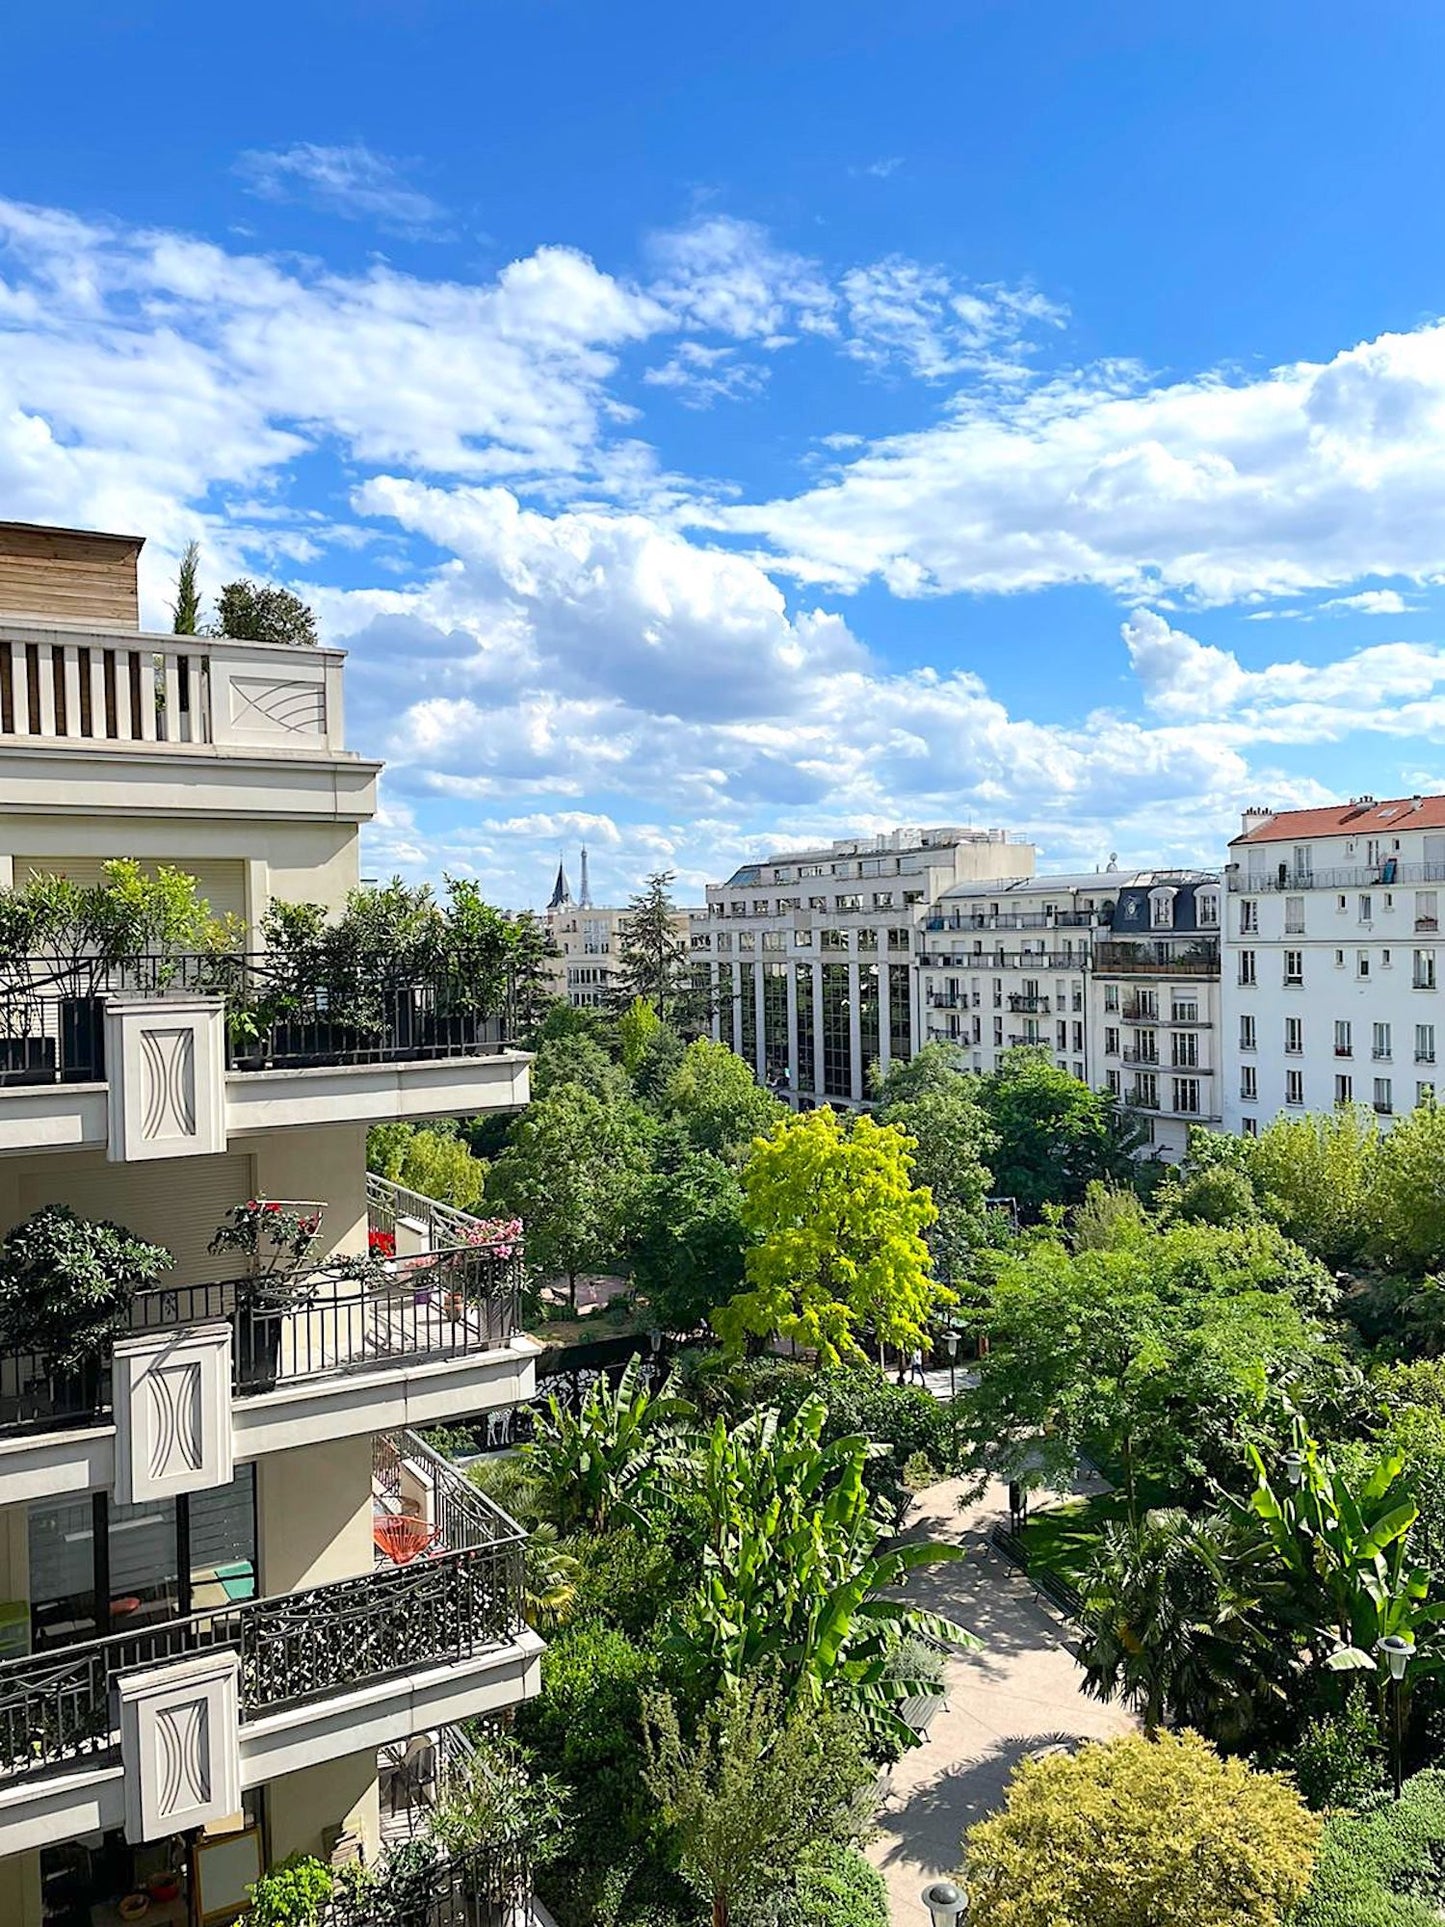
(1021, 1691)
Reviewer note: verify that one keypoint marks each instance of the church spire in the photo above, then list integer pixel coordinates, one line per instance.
(584, 900)
(561, 889)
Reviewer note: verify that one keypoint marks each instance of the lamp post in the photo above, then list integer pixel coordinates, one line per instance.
(1396, 1651)
(1292, 1464)
(947, 1904)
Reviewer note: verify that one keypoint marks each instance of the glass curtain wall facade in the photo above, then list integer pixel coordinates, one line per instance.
(837, 1045)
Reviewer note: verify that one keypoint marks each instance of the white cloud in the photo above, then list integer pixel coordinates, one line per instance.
(1371, 602)
(352, 181)
(727, 276)
(900, 311)
(1217, 489)
(702, 375)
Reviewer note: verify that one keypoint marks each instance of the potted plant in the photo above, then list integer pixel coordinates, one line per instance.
(66, 1288)
(275, 1236)
(292, 1894)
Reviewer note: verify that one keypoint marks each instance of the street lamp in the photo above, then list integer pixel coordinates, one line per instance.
(1396, 1651)
(1292, 1464)
(947, 1905)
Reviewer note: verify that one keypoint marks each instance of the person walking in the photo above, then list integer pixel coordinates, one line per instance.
(915, 1367)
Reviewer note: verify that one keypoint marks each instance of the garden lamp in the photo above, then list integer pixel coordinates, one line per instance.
(654, 1341)
(1293, 1466)
(1396, 1651)
(950, 1339)
(947, 1905)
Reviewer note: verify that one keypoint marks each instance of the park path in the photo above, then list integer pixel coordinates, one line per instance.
(1021, 1691)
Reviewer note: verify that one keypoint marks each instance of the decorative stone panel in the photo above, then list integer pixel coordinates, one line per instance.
(180, 1745)
(166, 1062)
(172, 1396)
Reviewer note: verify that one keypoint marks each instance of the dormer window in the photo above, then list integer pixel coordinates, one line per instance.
(1161, 909)
(1207, 906)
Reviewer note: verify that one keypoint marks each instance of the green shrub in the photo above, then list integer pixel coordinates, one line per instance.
(1337, 1759)
(587, 1729)
(835, 1887)
(292, 1894)
(1383, 1869)
(624, 1580)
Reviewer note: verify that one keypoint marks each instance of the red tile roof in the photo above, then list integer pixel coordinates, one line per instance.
(1350, 819)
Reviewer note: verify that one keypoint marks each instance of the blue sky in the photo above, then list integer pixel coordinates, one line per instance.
(710, 431)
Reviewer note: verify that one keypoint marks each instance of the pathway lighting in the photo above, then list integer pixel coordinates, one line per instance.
(947, 1904)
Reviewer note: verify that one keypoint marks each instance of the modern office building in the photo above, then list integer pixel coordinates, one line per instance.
(1332, 960)
(810, 953)
(234, 1583)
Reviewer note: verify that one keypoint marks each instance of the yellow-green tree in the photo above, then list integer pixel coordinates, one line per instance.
(840, 1224)
(1142, 1833)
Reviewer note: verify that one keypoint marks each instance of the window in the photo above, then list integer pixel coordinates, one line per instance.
(837, 1044)
(1339, 960)
(1146, 1090)
(849, 900)
(898, 942)
(997, 1033)
(1207, 908)
(817, 903)
(785, 904)
(1294, 916)
(1185, 1055)
(1344, 1088)
(1248, 917)
(747, 940)
(1384, 1103)
(802, 939)
(868, 940)
(1379, 1040)
(1115, 1082)
(882, 899)
(1367, 909)
(1111, 997)
(1342, 902)
(1344, 1041)
(738, 909)
(1294, 1036)
(724, 939)
(833, 940)
(760, 906)
(1161, 910)
(1362, 963)
(1248, 1083)
(1246, 967)
(1424, 1043)
(1424, 1096)
(1294, 1087)
(1427, 909)
(1185, 1008)
(1246, 1033)
(1249, 1127)
(1186, 1095)
(1111, 1042)
(1146, 1047)
(1424, 976)
(1294, 966)
(774, 940)
(900, 1015)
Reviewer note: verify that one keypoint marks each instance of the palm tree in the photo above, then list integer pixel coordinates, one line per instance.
(1175, 1621)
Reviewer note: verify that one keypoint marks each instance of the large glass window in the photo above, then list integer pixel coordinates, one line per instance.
(837, 1045)
(726, 1007)
(776, 1054)
(868, 1014)
(807, 1066)
(746, 983)
(900, 1014)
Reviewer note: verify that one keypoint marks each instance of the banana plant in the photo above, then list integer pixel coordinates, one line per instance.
(1349, 1554)
(600, 1466)
(796, 1580)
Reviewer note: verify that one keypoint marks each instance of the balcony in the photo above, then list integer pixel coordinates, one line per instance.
(1013, 920)
(1387, 873)
(1147, 1057)
(1039, 1005)
(87, 715)
(343, 1350)
(189, 1051)
(433, 1634)
(1160, 958)
(1134, 1013)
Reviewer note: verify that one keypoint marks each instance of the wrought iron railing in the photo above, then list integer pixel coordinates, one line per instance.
(1385, 874)
(1196, 958)
(56, 1707)
(1012, 920)
(445, 1224)
(1019, 1000)
(281, 1012)
(344, 1317)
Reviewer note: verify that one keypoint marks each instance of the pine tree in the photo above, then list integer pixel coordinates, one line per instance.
(186, 609)
(655, 962)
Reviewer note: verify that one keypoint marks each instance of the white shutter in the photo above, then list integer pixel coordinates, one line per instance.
(1435, 854)
(220, 880)
(176, 1203)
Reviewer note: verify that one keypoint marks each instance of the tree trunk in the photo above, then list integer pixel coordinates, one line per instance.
(572, 1291)
(719, 1910)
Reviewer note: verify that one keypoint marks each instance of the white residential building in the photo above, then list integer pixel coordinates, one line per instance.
(811, 952)
(1332, 959)
(209, 1623)
(587, 937)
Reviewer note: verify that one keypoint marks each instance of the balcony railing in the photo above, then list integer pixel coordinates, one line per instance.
(445, 1224)
(1357, 876)
(1019, 1002)
(167, 690)
(280, 1015)
(341, 1318)
(1003, 960)
(1013, 920)
(483, 1886)
(1197, 959)
(446, 1607)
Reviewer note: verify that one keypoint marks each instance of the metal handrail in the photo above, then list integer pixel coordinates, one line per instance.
(1383, 875)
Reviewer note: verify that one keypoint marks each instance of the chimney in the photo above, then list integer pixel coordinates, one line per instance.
(1255, 819)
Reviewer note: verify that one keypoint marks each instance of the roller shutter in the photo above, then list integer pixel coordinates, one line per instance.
(221, 880)
(177, 1203)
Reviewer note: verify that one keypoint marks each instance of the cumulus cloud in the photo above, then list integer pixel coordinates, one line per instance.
(353, 181)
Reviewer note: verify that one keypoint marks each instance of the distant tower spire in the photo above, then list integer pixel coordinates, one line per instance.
(584, 900)
(561, 889)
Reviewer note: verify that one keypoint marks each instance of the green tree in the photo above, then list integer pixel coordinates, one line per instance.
(186, 609)
(938, 1066)
(604, 1459)
(1054, 1134)
(66, 1284)
(248, 611)
(434, 1161)
(1316, 1177)
(571, 1172)
(689, 1241)
(1178, 1624)
(717, 1100)
(580, 1061)
(1142, 1833)
(751, 1789)
(654, 959)
(952, 1142)
(1406, 1206)
(839, 1225)
(636, 1027)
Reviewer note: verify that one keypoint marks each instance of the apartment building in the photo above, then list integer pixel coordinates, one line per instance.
(810, 953)
(1115, 973)
(587, 938)
(1332, 960)
(234, 1582)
